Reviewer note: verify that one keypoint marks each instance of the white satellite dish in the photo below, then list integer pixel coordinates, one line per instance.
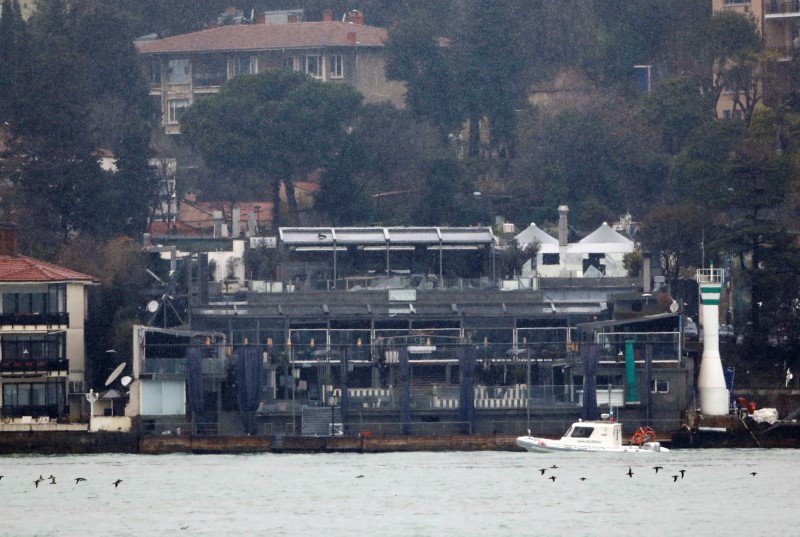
(125, 381)
(674, 307)
(152, 306)
(114, 374)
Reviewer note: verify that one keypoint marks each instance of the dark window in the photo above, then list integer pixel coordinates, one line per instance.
(582, 432)
(33, 398)
(550, 259)
(38, 347)
(53, 300)
(659, 386)
(209, 71)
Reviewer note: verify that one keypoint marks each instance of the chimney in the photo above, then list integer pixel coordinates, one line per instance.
(8, 239)
(351, 38)
(261, 18)
(563, 228)
(327, 15)
(292, 19)
(354, 16)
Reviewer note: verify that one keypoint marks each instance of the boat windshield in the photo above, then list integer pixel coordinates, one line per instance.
(581, 432)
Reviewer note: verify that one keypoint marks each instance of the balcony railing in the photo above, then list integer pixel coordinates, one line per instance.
(33, 367)
(782, 7)
(31, 319)
(179, 366)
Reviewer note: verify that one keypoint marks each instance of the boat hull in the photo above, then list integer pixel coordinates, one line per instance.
(535, 444)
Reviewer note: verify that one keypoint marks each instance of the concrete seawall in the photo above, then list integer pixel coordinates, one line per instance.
(324, 444)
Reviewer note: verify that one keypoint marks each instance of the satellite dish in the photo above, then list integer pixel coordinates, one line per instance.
(152, 306)
(674, 307)
(125, 381)
(114, 374)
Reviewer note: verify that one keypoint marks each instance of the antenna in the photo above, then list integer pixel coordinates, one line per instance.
(114, 374)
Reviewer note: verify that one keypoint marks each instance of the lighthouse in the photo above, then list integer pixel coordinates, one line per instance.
(712, 393)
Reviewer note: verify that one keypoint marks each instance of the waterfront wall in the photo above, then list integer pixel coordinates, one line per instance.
(66, 442)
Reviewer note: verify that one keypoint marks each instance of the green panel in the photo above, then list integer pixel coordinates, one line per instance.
(632, 395)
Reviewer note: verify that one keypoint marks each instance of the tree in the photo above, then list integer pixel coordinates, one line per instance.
(488, 74)
(279, 124)
(674, 235)
(417, 57)
(735, 61)
(342, 194)
(676, 108)
(81, 92)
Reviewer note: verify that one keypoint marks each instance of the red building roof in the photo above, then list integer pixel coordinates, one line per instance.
(20, 268)
(246, 37)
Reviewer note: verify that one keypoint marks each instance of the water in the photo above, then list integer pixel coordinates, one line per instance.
(403, 494)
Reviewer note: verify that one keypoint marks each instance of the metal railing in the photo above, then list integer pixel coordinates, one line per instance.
(779, 7)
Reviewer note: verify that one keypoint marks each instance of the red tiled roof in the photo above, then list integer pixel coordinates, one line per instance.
(20, 268)
(267, 37)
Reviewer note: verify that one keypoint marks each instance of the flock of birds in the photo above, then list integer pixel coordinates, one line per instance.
(41, 479)
(680, 475)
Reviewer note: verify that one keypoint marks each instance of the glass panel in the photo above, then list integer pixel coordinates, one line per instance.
(209, 71)
(314, 66)
(38, 394)
(9, 302)
(9, 395)
(337, 66)
(23, 394)
(178, 72)
(176, 109)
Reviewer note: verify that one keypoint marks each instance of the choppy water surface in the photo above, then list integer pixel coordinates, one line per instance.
(459, 493)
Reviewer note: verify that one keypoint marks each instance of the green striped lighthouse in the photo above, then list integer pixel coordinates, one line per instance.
(712, 393)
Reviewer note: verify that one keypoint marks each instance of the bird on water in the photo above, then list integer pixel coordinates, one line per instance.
(657, 468)
(542, 471)
(630, 472)
(79, 479)
(117, 482)
(553, 478)
(674, 478)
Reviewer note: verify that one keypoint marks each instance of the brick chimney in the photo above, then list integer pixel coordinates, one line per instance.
(327, 15)
(352, 38)
(292, 19)
(8, 238)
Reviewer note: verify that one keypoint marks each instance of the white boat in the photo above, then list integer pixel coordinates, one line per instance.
(601, 435)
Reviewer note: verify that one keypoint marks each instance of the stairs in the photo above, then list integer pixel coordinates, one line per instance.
(316, 421)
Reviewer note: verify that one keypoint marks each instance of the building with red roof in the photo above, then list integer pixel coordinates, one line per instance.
(42, 345)
(183, 68)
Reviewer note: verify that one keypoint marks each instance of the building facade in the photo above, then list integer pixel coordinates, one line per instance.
(778, 23)
(42, 347)
(184, 68)
(407, 331)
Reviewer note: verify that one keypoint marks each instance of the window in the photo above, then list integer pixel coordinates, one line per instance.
(245, 65)
(209, 71)
(314, 65)
(33, 398)
(154, 73)
(288, 63)
(178, 72)
(176, 109)
(33, 347)
(337, 66)
(582, 432)
(53, 299)
(550, 259)
(659, 386)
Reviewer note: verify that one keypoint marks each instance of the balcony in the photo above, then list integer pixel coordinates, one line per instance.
(34, 319)
(178, 367)
(33, 367)
(781, 9)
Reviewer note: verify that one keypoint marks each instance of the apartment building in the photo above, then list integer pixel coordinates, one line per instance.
(184, 68)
